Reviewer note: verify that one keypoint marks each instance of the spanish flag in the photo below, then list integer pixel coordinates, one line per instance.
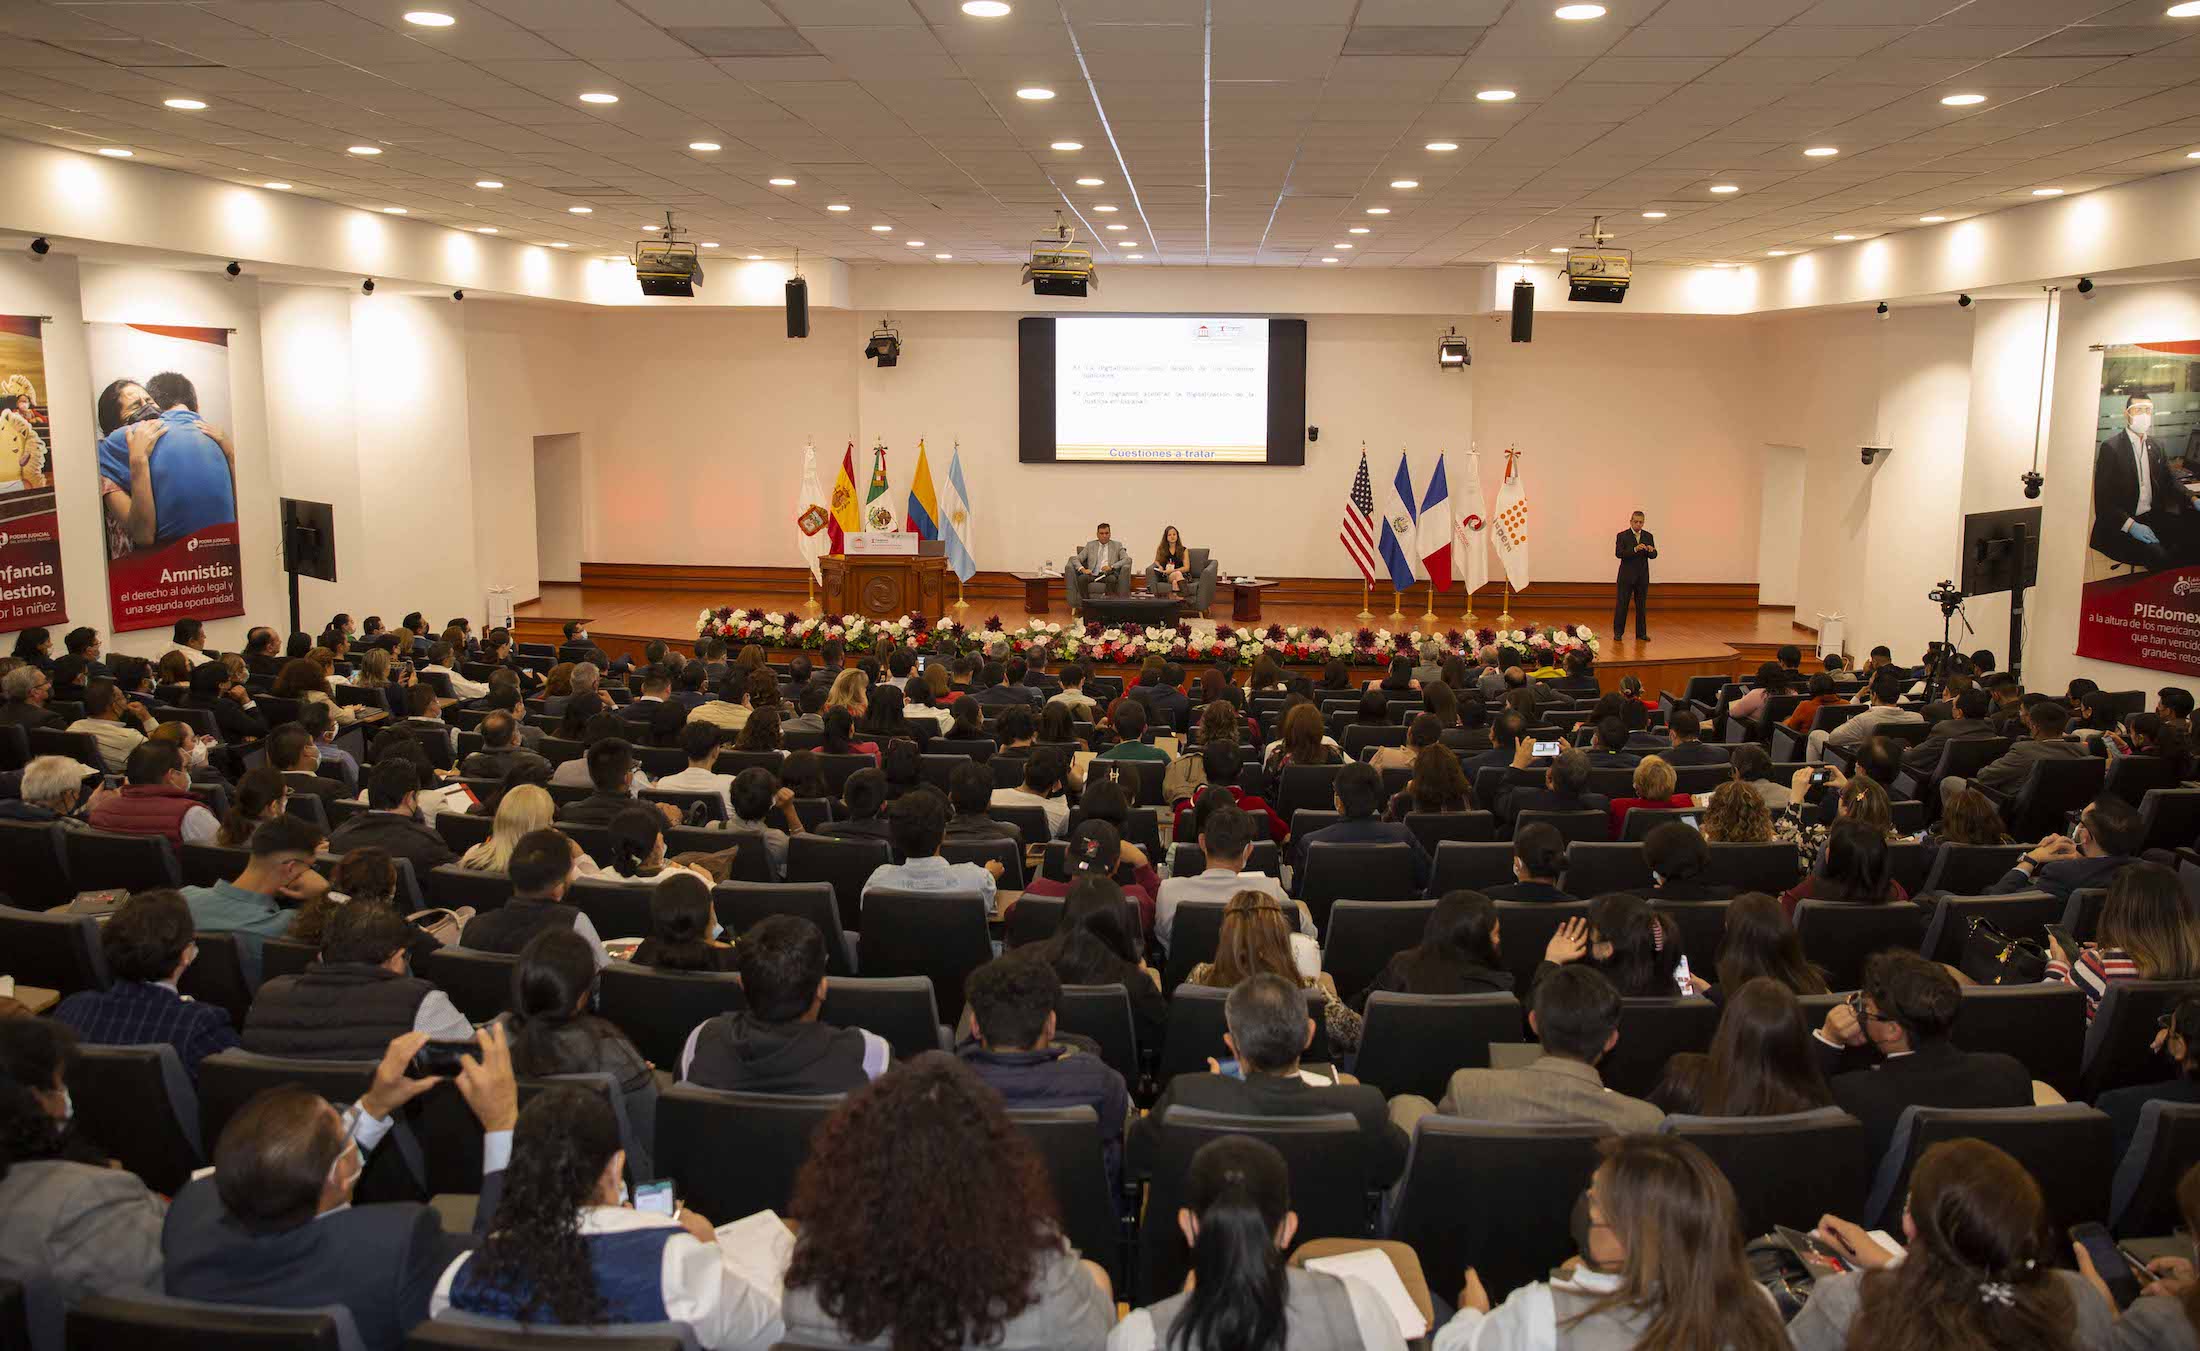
(924, 509)
(846, 516)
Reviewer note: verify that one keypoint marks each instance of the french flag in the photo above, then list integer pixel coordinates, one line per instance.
(1432, 536)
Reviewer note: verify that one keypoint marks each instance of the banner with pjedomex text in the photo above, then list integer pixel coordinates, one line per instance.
(167, 468)
(2141, 597)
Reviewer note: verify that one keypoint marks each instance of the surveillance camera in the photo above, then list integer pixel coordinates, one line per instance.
(2032, 482)
(40, 247)
(1871, 453)
(1882, 311)
(367, 287)
(458, 295)
(1313, 433)
(234, 269)
(1964, 300)
(2085, 286)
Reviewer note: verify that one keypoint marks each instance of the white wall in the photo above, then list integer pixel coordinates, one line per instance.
(528, 365)
(1779, 523)
(560, 507)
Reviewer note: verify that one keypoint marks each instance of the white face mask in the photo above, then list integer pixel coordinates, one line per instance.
(68, 1106)
(197, 758)
(2141, 423)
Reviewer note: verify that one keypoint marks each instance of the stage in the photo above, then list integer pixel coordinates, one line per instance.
(1698, 629)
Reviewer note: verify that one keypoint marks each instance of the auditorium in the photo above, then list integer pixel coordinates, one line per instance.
(1162, 675)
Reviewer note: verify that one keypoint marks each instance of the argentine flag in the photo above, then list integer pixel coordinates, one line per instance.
(1398, 520)
(955, 519)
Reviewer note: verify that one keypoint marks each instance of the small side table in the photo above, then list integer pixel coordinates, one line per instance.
(1245, 600)
(1037, 591)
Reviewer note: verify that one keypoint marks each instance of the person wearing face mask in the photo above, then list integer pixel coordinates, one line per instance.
(1660, 1240)
(70, 1228)
(392, 821)
(84, 642)
(156, 800)
(2141, 514)
(52, 788)
(255, 907)
(195, 751)
(275, 1223)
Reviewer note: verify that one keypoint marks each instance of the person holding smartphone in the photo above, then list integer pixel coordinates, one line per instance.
(2166, 1315)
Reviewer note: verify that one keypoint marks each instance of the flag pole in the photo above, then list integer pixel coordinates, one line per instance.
(1397, 598)
(1428, 616)
(960, 604)
(1469, 617)
(1365, 614)
(810, 606)
(1505, 618)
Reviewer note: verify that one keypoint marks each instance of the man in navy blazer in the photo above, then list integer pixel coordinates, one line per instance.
(1359, 798)
(275, 1223)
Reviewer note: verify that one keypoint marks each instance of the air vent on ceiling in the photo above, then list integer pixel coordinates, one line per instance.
(595, 193)
(723, 41)
(132, 52)
(1409, 40)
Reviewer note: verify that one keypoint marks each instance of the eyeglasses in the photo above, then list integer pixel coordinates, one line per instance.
(1856, 1006)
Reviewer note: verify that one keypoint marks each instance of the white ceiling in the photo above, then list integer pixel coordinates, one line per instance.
(1228, 131)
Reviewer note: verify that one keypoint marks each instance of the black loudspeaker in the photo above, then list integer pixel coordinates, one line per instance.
(1523, 311)
(798, 308)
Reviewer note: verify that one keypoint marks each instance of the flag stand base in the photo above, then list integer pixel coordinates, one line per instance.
(1504, 617)
(960, 604)
(1428, 616)
(810, 606)
(1397, 606)
(1365, 614)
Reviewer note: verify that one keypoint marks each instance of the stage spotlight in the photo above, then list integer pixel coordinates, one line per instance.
(235, 269)
(458, 295)
(367, 287)
(2085, 286)
(1451, 351)
(2032, 482)
(884, 346)
(1964, 300)
(40, 247)
(1882, 310)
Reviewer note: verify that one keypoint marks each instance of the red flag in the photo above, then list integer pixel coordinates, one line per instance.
(843, 505)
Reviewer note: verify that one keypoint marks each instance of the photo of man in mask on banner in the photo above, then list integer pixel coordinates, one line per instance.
(2142, 514)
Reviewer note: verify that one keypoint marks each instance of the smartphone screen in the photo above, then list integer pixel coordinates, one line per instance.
(920, 663)
(1229, 1069)
(1821, 1257)
(1680, 976)
(1817, 776)
(655, 1197)
(1543, 750)
(2109, 1261)
(1692, 823)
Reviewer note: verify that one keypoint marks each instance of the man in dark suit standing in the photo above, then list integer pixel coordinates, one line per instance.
(1634, 547)
(275, 1224)
(2141, 513)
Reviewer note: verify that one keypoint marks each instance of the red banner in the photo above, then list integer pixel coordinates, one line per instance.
(30, 531)
(197, 577)
(2140, 603)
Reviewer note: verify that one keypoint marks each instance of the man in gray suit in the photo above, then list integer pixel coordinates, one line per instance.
(1576, 1018)
(2047, 721)
(1097, 564)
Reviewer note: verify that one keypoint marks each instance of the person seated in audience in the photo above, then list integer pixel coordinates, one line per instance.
(1301, 739)
(1854, 868)
(1539, 861)
(34, 646)
(887, 719)
(1965, 718)
(2148, 734)
(863, 797)
(1128, 718)
(1623, 938)
(26, 690)
(638, 852)
(683, 930)
(1226, 845)
(737, 699)
(2109, 836)
(2147, 931)
(304, 681)
(149, 943)
(1219, 762)
(275, 1223)
(156, 800)
(699, 743)
(1457, 954)
(1255, 939)
(964, 723)
(2178, 1040)
(1374, 710)
(2047, 722)
(356, 998)
(392, 820)
(1097, 849)
(259, 797)
(1094, 944)
(1072, 694)
(1015, 730)
(1760, 941)
(363, 877)
(501, 751)
(849, 691)
(1438, 783)
(1680, 862)
(1883, 710)
(1609, 748)
(1358, 794)
(551, 1031)
(252, 907)
(1905, 1013)
(1862, 800)
(656, 688)
(760, 806)
(1760, 1063)
(1268, 1031)
(1014, 1003)
(424, 719)
(969, 793)
(70, 1228)
(775, 1043)
(564, 1249)
(51, 789)
(1661, 1264)
(588, 722)
(989, 688)
(442, 660)
(839, 734)
(1574, 1013)
(616, 778)
(1654, 784)
(1734, 813)
(1772, 679)
(215, 689)
(688, 687)
(1969, 817)
(916, 825)
(118, 726)
(1417, 736)
(1046, 774)
(1819, 693)
(1978, 1267)
(542, 865)
(761, 733)
(1684, 729)
(521, 808)
(294, 758)
(1565, 787)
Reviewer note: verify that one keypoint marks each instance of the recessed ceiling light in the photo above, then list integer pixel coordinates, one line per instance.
(710, 243)
(986, 9)
(1405, 182)
(1067, 145)
(182, 105)
(1962, 100)
(581, 210)
(276, 187)
(2192, 154)
(1091, 182)
(1126, 243)
(703, 145)
(1103, 209)
(485, 229)
(882, 229)
(490, 183)
(838, 206)
(1357, 230)
(1932, 220)
(1653, 215)
(560, 244)
(2047, 192)
(780, 182)
(1441, 145)
(363, 150)
(653, 227)
(429, 18)
(1035, 93)
(943, 257)
(1724, 188)
(115, 152)
(1119, 226)
(1776, 253)
(1495, 95)
(1329, 260)
(1822, 151)
(599, 98)
(1134, 255)
(1378, 211)
(393, 211)
(1340, 246)
(1843, 239)
(2187, 10)
(756, 257)
(914, 243)
(1558, 248)
(1578, 13)
(1522, 261)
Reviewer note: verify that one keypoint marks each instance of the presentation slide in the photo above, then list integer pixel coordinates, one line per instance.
(1175, 388)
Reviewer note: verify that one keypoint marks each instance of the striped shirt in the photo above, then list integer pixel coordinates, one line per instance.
(2096, 969)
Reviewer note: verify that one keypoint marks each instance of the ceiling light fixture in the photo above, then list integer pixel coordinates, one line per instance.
(838, 206)
(710, 243)
(943, 257)
(1104, 209)
(1067, 145)
(393, 211)
(756, 257)
(2047, 192)
(1578, 13)
(1340, 246)
(1724, 188)
(429, 18)
(1843, 239)
(1932, 220)
(2192, 154)
(116, 152)
(1495, 95)
(653, 227)
(560, 244)
(581, 210)
(986, 9)
(599, 98)
(363, 150)
(491, 183)
(1035, 93)
(1653, 215)
(276, 187)
(1402, 183)
(1134, 255)
(1091, 182)
(1962, 100)
(2189, 9)
(780, 182)
(914, 243)
(485, 229)
(882, 229)
(1441, 145)
(1776, 253)
(1822, 151)
(1558, 248)
(1329, 260)
(1358, 230)
(703, 145)
(182, 105)
(1378, 211)
(1119, 226)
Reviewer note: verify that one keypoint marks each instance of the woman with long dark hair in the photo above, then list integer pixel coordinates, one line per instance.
(1172, 561)
(1760, 1062)
(259, 799)
(1243, 1296)
(973, 1255)
(35, 647)
(638, 848)
(1661, 1267)
(1854, 869)
(1979, 1272)
(562, 1249)
(1095, 944)
(1760, 940)
(683, 932)
(885, 718)
(1458, 953)
(552, 1031)
(1623, 938)
(1398, 679)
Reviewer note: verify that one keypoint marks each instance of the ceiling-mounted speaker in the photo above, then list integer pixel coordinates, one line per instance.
(1523, 310)
(798, 308)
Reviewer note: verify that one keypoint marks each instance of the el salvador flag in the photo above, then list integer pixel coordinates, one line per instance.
(1394, 537)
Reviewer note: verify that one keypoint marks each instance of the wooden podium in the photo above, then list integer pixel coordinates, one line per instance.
(880, 585)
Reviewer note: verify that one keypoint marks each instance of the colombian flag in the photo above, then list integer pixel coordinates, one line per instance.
(924, 509)
(846, 517)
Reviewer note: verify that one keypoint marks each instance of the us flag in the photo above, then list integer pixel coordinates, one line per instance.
(1358, 533)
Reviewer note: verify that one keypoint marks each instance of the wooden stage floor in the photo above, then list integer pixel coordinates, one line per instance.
(1683, 642)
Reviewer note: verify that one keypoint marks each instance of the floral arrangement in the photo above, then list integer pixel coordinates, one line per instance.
(1096, 643)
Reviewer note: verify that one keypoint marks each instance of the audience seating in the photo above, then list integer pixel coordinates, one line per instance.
(99, 860)
(2119, 1047)
(1030, 822)
(2082, 915)
(205, 864)
(138, 1102)
(1651, 1031)
(1640, 821)
(2041, 1024)
(34, 863)
(1310, 786)
(1969, 869)
(2052, 789)
(1596, 867)
(218, 978)
(1363, 872)
(230, 1079)
(2132, 777)
(2143, 1193)
(739, 905)
(617, 909)
(1413, 1042)
(939, 935)
(58, 951)
(285, 957)
(1102, 1015)
(901, 1009)
(847, 864)
(1702, 926)
(1365, 935)
(1068, 1141)
(449, 1134)
(1839, 935)
(735, 1153)
(1908, 861)
(1523, 1181)
(1006, 852)
(1470, 865)
(159, 1323)
(2171, 816)
(1186, 860)
(1527, 927)
(1577, 827)
(454, 886)
(658, 1009)
(1196, 931)
(1789, 1169)
(2024, 914)
(1196, 1027)
(1433, 828)
(2064, 1147)
(479, 983)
